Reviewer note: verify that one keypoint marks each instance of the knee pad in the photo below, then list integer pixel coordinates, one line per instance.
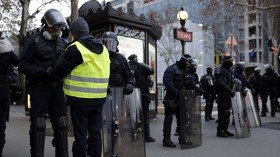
(61, 122)
(39, 123)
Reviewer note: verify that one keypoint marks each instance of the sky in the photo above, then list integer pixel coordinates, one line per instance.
(63, 7)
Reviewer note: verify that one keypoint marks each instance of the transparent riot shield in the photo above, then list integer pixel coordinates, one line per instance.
(190, 127)
(110, 121)
(130, 142)
(253, 115)
(240, 117)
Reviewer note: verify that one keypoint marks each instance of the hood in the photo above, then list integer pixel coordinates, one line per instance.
(5, 46)
(92, 43)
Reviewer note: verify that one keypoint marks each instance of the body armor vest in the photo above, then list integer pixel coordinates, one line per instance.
(116, 79)
(179, 78)
(46, 55)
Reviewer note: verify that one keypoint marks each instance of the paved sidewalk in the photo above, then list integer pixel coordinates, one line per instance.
(262, 143)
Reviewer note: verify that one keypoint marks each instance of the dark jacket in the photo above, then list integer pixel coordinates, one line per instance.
(255, 81)
(174, 78)
(120, 72)
(242, 78)
(141, 73)
(269, 83)
(207, 84)
(223, 82)
(7, 57)
(72, 58)
(34, 63)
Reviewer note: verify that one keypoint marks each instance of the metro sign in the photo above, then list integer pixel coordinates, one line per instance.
(184, 35)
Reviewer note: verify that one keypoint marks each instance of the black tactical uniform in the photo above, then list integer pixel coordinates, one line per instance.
(224, 83)
(174, 79)
(120, 72)
(120, 76)
(40, 52)
(7, 57)
(238, 73)
(269, 88)
(141, 73)
(255, 81)
(207, 85)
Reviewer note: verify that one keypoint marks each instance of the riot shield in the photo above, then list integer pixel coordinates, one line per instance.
(190, 125)
(110, 123)
(253, 115)
(130, 140)
(242, 129)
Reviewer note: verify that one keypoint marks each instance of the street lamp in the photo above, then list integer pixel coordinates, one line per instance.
(182, 16)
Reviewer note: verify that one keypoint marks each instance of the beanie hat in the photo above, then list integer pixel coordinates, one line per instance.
(79, 27)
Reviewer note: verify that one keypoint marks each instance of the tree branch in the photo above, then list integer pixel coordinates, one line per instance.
(255, 6)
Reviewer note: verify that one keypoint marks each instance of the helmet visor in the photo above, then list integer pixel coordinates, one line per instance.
(55, 19)
(110, 44)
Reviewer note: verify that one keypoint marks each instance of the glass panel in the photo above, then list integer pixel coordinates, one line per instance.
(152, 64)
(128, 46)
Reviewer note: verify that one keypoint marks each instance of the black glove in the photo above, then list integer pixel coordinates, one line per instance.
(253, 91)
(244, 92)
(128, 89)
(232, 93)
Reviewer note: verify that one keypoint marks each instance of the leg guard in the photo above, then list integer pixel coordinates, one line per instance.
(167, 126)
(37, 137)
(60, 141)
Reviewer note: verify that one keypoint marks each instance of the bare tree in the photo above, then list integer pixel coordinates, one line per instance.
(225, 13)
(168, 46)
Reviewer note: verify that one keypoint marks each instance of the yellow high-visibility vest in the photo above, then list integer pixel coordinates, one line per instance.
(89, 79)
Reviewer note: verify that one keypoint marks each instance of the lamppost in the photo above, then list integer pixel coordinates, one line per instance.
(182, 16)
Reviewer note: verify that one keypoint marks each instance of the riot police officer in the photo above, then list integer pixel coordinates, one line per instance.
(7, 58)
(269, 88)
(224, 83)
(255, 81)
(120, 73)
(174, 78)
(207, 85)
(120, 77)
(40, 52)
(141, 73)
(238, 73)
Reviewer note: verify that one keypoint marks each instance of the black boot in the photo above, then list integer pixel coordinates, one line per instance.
(168, 143)
(149, 139)
(229, 134)
(221, 133)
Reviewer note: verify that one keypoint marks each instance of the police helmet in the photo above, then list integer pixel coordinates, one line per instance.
(240, 67)
(187, 59)
(228, 61)
(110, 40)
(133, 57)
(54, 18)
